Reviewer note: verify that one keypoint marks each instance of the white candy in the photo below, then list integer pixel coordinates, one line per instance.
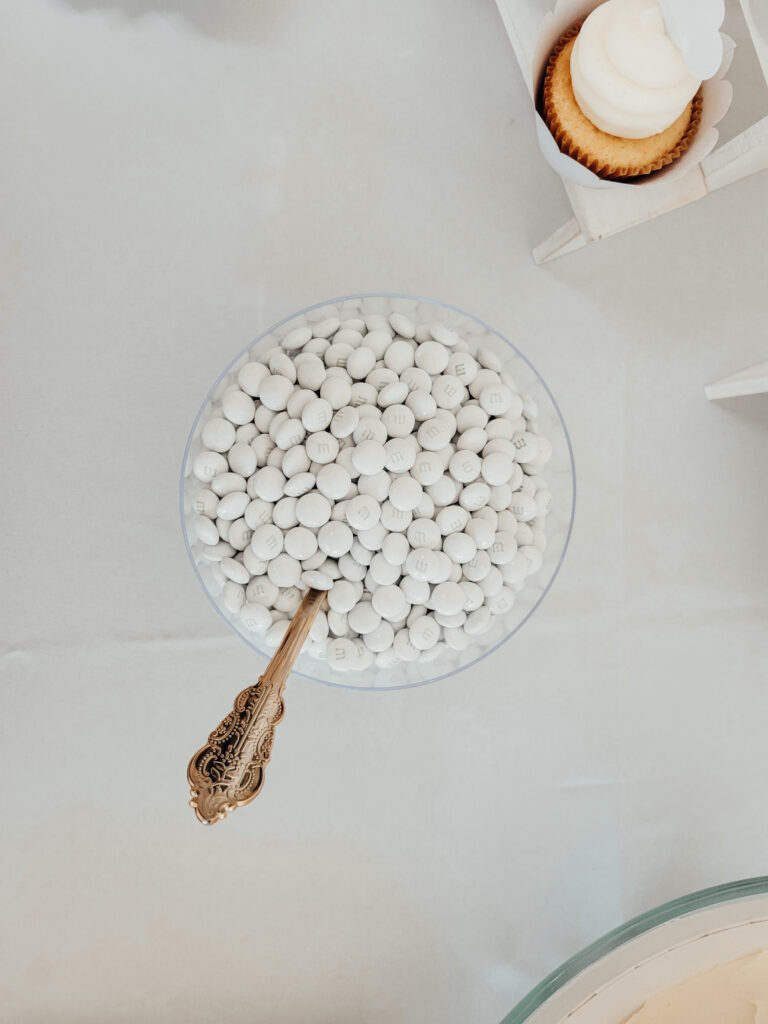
(492, 583)
(255, 617)
(526, 445)
(378, 339)
(427, 468)
(344, 422)
(250, 378)
(381, 638)
(434, 434)
(452, 519)
(478, 568)
(395, 548)
(368, 429)
(393, 519)
(400, 455)
(465, 466)
(460, 547)
(336, 391)
(405, 493)
(261, 590)
(232, 506)
(444, 335)
(217, 552)
(503, 549)
(473, 439)
(313, 510)
(403, 646)
(300, 543)
(423, 564)
(363, 512)
(399, 420)
(432, 357)
(205, 529)
(275, 391)
(398, 356)
(422, 405)
(335, 539)
(218, 435)
(341, 653)
(205, 502)
(496, 468)
(424, 533)
(448, 391)
(334, 482)
(363, 618)
(284, 514)
(424, 633)
(369, 457)
(209, 464)
(402, 325)
(383, 572)
(234, 570)
(297, 338)
(242, 459)
(390, 603)
(496, 399)
(416, 591)
(268, 483)
(375, 458)
(316, 579)
(351, 569)
(473, 595)
(316, 414)
(237, 406)
(322, 447)
(343, 596)
(284, 571)
(233, 596)
(274, 635)
(239, 534)
(464, 367)
(475, 495)
(360, 362)
(373, 537)
(300, 484)
(448, 598)
(481, 532)
(377, 485)
(290, 433)
(479, 622)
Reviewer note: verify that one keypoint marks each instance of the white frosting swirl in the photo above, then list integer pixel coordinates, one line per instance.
(628, 76)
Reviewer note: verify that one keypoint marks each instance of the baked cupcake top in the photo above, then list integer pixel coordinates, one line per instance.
(628, 76)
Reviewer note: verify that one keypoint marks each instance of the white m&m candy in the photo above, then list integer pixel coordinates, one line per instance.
(377, 458)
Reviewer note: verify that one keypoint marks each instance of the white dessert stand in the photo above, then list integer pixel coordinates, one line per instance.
(598, 213)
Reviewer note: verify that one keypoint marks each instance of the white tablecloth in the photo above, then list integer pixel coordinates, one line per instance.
(177, 176)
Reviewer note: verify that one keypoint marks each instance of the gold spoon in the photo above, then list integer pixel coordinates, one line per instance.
(228, 772)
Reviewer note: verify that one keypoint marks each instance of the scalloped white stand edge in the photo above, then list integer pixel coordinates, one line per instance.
(599, 213)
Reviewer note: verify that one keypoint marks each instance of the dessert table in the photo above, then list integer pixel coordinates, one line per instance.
(178, 176)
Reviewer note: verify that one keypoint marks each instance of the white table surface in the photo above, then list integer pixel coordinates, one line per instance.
(176, 176)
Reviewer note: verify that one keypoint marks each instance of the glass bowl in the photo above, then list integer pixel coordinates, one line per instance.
(559, 474)
(611, 979)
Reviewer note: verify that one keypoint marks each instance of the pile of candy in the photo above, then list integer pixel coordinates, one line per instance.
(385, 463)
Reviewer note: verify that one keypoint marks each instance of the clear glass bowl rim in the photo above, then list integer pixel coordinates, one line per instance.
(646, 922)
(406, 298)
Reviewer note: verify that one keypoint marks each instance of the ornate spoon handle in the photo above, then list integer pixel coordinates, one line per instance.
(228, 771)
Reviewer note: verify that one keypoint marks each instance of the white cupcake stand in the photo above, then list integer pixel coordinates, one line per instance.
(598, 213)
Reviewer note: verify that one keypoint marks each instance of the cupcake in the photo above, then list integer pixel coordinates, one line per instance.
(617, 95)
